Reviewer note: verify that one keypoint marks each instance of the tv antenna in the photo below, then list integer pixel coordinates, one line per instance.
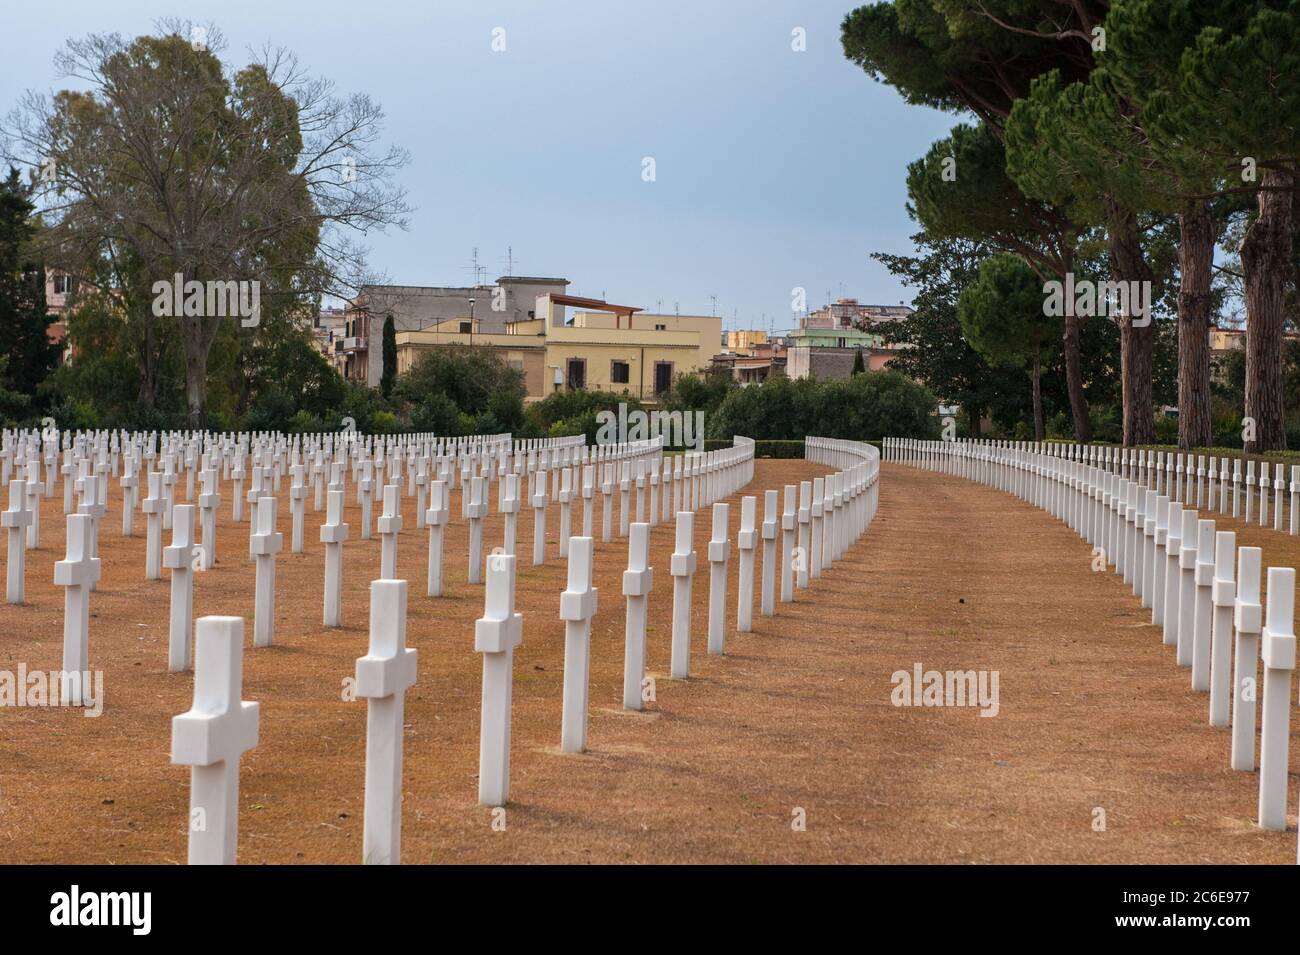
(476, 269)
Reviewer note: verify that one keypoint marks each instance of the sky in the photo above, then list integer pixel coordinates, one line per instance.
(773, 168)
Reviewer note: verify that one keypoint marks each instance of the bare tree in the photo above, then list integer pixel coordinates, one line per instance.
(206, 174)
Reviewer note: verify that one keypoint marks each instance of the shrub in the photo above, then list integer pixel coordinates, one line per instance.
(868, 406)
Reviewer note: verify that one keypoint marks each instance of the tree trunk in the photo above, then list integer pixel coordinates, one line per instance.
(1265, 262)
(197, 335)
(1074, 371)
(973, 417)
(1195, 261)
(1040, 431)
(1128, 264)
(147, 361)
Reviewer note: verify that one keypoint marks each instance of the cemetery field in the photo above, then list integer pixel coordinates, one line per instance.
(796, 721)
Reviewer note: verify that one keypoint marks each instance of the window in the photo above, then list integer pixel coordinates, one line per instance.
(619, 372)
(62, 284)
(663, 377)
(660, 327)
(467, 328)
(576, 374)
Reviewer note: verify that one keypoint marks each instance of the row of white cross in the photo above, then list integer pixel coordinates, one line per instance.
(220, 727)
(1201, 588)
(81, 565)
(1186, 478)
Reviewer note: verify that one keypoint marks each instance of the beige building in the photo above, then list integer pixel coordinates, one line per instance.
(488, 309)
(744, 341)
(571, 343)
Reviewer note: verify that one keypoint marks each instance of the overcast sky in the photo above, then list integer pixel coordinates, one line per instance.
(773, 168)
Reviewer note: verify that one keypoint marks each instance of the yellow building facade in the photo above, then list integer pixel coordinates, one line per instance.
(744, 340)
(595, 350)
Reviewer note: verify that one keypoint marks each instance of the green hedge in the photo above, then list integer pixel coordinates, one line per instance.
(767, 448)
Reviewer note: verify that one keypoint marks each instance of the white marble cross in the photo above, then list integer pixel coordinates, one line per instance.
(682, 568)
(1295, 499)
(1223, 596)
(383, 676)
(129, 484)
(434, 519)
(153, 510)
(1156, 572)
(767, 603)
(237, 479)
(1250, 487)
(638, 581)
(267, 542)
(297, 505)
(476, 510)
(421, 490)
(828, 519)
(805, 530)
(746, 542)
(1236, 485)
(209, 501)
(332, 534)
(390, 525)
(179, 559)
(1277, 648)
(588, 493)
(1279, 485)
(789, 518)
(365, 491)
(33, 491)
(68, 471)
(1263, 493)
(1187, 589)
(719, 555)
(496, 634)
(816, 520)
(318, 475)
(624, 498)
(77, 574)
(539, 519)
(15, 522)
(1203, 574)
(606, 503)
(259, 486)
(510, 508)
(577, 607)
(566, 510)
(654, 492)
(1247, 621)
(640, 485)
(1173, 575)
(169, 490)
(211, 737)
